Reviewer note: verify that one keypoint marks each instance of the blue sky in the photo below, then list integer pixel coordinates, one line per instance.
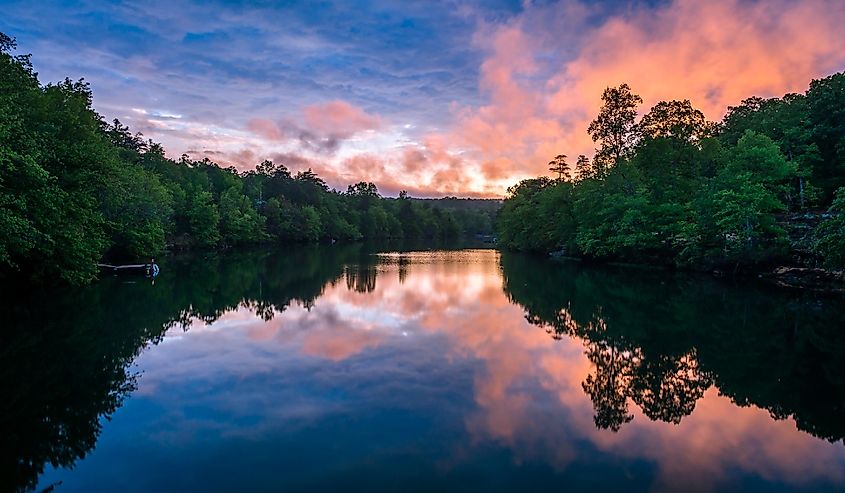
(455, 97)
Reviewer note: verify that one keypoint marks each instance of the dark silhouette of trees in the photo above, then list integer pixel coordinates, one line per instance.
(558, 165)
(607, 387)
(583, 168)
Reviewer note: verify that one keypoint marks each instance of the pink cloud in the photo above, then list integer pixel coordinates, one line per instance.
(542, 74)
(266, 129)
(713, 53)
(414, 160)
(339, 118)
(335, 347)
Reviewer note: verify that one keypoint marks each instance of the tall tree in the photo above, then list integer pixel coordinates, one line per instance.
(558, 165)
(269, 168)
(121, 136)
(786, 121)
(583, 171)
(613, 128)
(668, 155)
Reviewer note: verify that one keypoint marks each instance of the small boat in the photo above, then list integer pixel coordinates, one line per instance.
(149, 270)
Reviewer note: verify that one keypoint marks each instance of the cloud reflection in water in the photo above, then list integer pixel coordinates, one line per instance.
(422, 363)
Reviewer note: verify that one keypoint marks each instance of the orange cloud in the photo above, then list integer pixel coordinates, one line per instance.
(542, 74)
(713, 53)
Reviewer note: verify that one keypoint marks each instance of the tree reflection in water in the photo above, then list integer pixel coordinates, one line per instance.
(662, 339)
(657, 340)
(66, 355)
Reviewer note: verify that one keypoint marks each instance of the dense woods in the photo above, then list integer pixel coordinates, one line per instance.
(75, 189)
(763, 186)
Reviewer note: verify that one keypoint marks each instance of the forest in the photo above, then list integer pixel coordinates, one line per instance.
(76, 189)
(763, 187)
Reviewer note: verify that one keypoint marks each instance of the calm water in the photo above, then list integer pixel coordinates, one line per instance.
(338, 369)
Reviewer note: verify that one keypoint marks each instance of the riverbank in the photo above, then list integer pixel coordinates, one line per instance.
(811, 279)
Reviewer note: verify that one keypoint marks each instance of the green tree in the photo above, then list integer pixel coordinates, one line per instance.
(518, 225)
(308, 224)
(830, 236)
(54, 164)
(788, 123)
(826, 117)
(675, 119)
(760, 157)
(239, 221)
(139, 211)
(203, 219)
(743, 217)
(614, 127)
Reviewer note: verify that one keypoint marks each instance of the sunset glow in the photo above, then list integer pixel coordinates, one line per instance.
(458, 99)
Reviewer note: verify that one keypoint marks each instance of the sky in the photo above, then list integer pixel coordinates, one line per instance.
(447, 98)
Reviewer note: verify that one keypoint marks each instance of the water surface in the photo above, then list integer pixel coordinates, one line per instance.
(319, 369)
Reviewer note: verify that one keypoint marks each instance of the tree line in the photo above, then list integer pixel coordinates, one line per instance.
(765, 185)
(75, 189)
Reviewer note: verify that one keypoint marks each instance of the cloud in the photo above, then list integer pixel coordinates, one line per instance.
(715, 54)
(543, 95)
(321, 128)
(450, 99)
(266, 129)
(339, 118)
(413, 160)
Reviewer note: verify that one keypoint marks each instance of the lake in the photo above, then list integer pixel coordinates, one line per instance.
(345, 368)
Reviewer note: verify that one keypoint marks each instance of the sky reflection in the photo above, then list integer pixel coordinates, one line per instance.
(432, 372)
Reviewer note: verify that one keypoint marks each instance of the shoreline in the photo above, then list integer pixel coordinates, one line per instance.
(817, 280)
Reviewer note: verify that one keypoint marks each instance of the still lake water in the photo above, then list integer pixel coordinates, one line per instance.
(336, 368)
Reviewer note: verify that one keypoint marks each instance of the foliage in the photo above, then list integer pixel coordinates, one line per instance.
(674, 119)
(614, 128)
(676, 189)
(583, 169)
(75, 189)
(831, 233)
